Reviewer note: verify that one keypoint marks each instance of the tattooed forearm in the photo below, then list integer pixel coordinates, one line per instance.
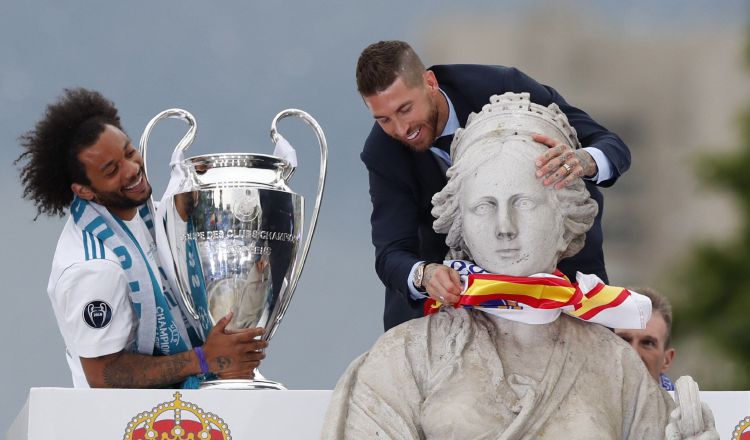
(130, 370)
(587, 163)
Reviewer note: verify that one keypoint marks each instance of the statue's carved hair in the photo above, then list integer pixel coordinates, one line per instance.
(484, 139)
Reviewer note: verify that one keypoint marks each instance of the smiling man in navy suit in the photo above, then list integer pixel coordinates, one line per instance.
(416, 112)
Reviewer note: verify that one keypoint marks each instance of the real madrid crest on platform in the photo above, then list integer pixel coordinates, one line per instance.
(97, 314)
(742, 430)
(177, 420)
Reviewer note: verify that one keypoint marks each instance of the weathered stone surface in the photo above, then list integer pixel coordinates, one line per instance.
(469, 374)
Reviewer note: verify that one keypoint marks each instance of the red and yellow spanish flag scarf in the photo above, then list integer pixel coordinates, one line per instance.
(540, 298)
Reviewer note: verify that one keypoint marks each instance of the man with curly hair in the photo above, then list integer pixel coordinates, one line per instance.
(121, 324)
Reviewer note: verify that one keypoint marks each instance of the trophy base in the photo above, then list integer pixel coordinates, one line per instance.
(257, 383)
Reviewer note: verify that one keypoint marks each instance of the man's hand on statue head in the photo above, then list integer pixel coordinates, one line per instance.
(561, 164)
(442, 283)
(234, 355)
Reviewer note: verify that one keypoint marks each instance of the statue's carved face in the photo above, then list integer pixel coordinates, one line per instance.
(511, 223)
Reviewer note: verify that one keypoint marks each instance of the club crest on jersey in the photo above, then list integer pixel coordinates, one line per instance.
(97, 314)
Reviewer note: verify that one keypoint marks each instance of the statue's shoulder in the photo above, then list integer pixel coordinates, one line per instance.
(448, 329)
(604, 347)
(451, 323)
(600, 336)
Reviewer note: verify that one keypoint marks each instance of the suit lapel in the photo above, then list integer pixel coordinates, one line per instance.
(461, 105)
(431, 178)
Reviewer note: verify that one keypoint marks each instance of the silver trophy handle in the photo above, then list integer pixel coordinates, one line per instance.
(185, 142)
(297, 271)
(172, 113)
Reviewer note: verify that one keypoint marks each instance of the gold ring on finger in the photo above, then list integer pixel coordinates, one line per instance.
(567, 167)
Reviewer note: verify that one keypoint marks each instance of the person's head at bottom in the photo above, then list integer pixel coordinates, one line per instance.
(653, 343)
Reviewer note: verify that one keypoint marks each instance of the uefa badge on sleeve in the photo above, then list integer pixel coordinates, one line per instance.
(97, 314)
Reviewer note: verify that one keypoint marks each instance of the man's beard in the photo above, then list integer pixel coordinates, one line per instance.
(431, 124)
(118, 201)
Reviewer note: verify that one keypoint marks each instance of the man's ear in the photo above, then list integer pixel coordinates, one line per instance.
(82, 191)
(668, 358)
(430, 80)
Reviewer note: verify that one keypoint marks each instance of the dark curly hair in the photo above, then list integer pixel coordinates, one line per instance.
(70, 125)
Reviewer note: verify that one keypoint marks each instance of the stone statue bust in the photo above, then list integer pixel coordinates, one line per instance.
(494, 209)
(466, 373)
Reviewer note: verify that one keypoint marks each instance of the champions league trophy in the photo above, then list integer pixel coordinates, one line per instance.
(233, 230)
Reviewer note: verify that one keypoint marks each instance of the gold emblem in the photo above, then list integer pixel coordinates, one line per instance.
(177, 420)
(741, 431)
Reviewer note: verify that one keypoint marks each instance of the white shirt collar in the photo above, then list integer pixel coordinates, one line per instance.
(452, 124)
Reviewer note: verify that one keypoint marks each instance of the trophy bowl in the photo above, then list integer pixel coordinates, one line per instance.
(233, 229)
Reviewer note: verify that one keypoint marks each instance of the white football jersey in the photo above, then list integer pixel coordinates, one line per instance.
(90, 296)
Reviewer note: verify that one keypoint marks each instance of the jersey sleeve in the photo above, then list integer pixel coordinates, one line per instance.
(96, 315)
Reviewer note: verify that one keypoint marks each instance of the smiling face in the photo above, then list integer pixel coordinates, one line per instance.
(115, 171)
(511, 224)
(415, 116)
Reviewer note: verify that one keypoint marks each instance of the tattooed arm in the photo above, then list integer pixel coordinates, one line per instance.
(230, 355)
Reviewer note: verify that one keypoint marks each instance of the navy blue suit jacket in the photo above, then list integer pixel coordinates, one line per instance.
(402, 183)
